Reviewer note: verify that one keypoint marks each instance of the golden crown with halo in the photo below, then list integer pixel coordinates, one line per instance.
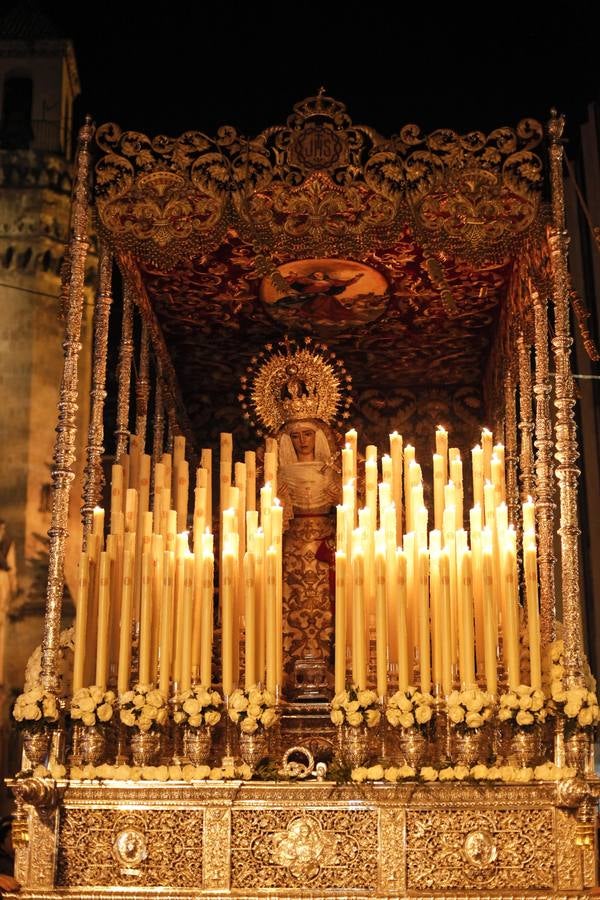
(287, 382)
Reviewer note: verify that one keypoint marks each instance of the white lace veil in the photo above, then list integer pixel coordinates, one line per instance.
(287, 454)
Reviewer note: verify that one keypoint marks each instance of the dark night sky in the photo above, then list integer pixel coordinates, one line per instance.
(194, 65)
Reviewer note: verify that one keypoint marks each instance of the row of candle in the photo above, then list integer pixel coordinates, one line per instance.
(438, 601)
(146, 579)
(442, 601)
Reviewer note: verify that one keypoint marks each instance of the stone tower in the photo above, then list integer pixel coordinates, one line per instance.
(38, 85)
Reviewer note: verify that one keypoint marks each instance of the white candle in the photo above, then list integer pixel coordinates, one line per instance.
(123, 671)
(359, 663)
(81, 621)
(206, 629)
(403, 651)
(250, 620)
(381, 629)
(396, 454)
(340, 621)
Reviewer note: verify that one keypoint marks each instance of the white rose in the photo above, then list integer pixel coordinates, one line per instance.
(474, 720)
(375, 773)
(474, 703)
(456, 714)
(203, 697)
(428, 773)
(524, 717)
(373, 717)
(88, 718)
(238, 702)
(338, 700)
(97, 694)
(155, 698)
(127, 717)
(104, 712)
(423, 714)
(337, 716)
(161, 716)
(249, 726)
(354, 718)
(268, 718)
(191, 707)
(149, 712)
(86, 704)
(196, 720)
(585, 716)
(212, 717)
(367, 698)
(254, 710)
(392, 715)
(407, 720)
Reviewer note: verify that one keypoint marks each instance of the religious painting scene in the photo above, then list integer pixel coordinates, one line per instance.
(308, 507)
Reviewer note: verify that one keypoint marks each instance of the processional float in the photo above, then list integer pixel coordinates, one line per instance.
(343, 661)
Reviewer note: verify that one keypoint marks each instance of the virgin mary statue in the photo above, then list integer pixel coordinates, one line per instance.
(297, 393)
(309, 489)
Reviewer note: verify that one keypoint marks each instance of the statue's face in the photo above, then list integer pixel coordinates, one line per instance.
(303, 439)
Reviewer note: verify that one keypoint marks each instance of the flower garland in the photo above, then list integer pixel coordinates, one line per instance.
(507, 774)
(160, 773)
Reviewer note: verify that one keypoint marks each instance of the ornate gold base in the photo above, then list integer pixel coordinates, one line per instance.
(233, 839)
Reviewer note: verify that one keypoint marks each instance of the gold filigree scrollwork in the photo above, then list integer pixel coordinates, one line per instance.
(216, 850)
(526, 424)
(163, 198)
(124, 376)
(568, 855)
(278, 848)
(142, 847)
(466, 850)
(567, 451)
(94, 478)
(66, 429)
(320, 185)
(475, 195)
(142, 388)
(392, 851)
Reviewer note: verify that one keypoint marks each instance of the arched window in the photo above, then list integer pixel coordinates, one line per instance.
(16, 132)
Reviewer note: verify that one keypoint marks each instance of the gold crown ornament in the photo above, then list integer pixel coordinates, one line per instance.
(289, 381)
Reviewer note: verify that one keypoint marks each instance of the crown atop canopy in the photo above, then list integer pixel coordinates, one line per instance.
(287, 382)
